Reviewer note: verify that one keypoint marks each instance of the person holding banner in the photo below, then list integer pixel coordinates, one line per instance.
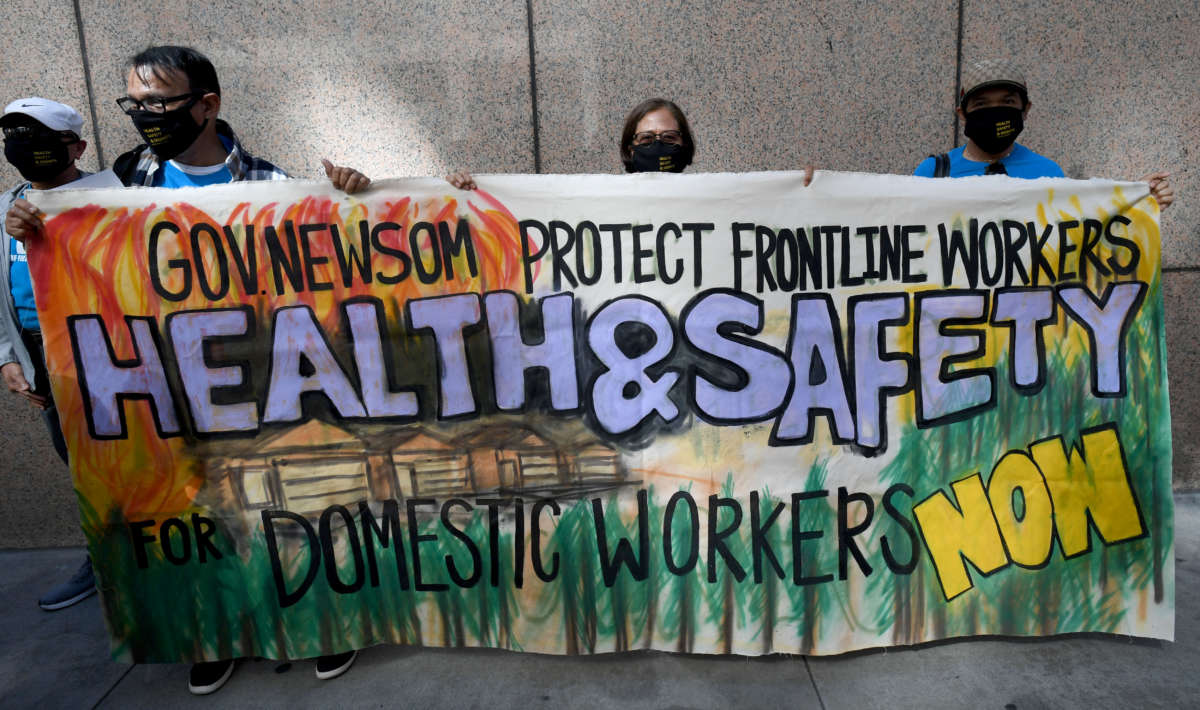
(42, 141)
(173, 98)
(993, 104)
(655, 137)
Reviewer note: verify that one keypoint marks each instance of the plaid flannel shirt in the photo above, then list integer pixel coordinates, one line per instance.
(242, 165)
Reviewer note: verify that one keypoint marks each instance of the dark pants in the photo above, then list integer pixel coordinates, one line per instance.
(41, 386)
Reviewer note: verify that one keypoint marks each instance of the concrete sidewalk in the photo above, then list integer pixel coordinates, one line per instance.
(60, 660)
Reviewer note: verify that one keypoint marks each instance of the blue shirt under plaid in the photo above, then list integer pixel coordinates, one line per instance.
(242, 165)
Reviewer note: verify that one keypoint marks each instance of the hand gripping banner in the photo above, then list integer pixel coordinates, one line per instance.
(581, 414)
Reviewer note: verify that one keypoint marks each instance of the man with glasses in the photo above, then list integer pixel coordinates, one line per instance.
(173, 98)
(42, 141)
(993, 104)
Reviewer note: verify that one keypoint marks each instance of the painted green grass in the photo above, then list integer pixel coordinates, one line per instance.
(1082, 594)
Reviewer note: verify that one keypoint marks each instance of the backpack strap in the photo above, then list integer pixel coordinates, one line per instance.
(941, 165)
(126, 165)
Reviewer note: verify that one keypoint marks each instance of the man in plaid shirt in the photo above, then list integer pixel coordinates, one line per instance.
(173, 98)
(141, 166)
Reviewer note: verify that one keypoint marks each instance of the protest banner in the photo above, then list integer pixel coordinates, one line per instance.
(579, 414)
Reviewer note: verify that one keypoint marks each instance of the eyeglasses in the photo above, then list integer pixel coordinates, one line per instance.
(648, 137)
(995, 169)
(130, 105)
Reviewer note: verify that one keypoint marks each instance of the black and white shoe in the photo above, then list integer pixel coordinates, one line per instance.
(208, 677)
(330, 667)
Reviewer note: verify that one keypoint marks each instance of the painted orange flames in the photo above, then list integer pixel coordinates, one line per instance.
(96, 260)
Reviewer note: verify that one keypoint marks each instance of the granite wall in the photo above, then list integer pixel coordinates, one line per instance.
(419, 88)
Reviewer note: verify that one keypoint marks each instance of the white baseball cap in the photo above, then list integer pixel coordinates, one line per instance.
(51, 114)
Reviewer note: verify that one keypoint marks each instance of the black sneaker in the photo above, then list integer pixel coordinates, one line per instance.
(329, 667)
(76, 589)
(208, 677)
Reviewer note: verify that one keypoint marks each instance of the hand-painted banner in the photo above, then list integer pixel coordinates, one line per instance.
(579, 414)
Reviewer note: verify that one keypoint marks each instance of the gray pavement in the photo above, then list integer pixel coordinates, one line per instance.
(60, 659)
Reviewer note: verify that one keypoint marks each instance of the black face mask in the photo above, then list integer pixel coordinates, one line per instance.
(40, 158)
(994, 128)
(658, 157)
(168, 133)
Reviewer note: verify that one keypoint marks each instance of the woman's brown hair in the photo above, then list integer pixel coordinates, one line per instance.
(639, 112)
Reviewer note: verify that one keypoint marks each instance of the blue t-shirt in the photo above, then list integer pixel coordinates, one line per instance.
(173, 174)
(1021, 162)
(22, 286)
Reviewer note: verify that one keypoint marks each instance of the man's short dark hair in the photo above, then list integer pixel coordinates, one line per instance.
(160, 61)
(638, 113)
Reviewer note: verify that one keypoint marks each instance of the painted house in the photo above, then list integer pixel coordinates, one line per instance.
(315, 465)
(508, 457)
(305, 470)
(427, 466)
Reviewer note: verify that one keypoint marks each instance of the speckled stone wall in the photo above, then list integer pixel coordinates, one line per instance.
(419, 88)
(765, 85)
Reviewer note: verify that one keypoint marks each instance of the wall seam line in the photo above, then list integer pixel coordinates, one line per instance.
(957, 72)
(87, 81)
(533, 94)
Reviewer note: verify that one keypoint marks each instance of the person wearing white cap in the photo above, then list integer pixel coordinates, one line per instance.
(993, 103)
(42, 141)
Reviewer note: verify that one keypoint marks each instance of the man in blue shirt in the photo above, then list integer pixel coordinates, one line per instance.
(42, 141)
(993, 104)
(173, 98)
